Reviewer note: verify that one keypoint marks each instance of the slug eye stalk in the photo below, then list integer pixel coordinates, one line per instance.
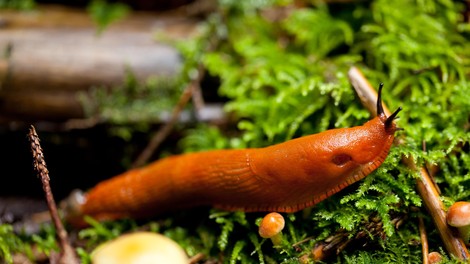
(380, 109)
(388, 122)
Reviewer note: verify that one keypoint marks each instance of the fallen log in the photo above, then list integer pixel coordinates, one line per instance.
(51, 54)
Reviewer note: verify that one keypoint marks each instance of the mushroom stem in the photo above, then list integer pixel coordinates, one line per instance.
(464, 232)
(277, 239)
(271, 227)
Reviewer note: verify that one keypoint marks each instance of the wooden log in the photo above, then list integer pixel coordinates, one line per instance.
(38, 105)
(52, 53)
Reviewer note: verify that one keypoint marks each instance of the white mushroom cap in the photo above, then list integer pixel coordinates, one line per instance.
(140, 248)
(458, 214)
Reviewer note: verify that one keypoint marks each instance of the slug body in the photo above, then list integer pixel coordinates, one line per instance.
(286, 177)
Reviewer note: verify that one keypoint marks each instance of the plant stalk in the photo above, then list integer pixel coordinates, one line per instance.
(424, 184)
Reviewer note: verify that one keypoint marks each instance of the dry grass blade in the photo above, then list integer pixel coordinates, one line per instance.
(165, 130)
(67, 254)
(424, 240)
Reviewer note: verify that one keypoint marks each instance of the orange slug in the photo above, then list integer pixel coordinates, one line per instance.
(286, 177)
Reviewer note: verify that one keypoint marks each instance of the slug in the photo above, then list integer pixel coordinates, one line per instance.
(286, 177)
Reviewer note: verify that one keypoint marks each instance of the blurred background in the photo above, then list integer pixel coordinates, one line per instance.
(71, 68)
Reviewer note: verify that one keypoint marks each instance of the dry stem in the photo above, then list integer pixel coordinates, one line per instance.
(67, 254)
(192, 90)
(424, 240)
(424, 183)
(166, 129)
(337, 242)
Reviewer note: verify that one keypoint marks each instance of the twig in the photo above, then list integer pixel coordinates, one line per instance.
(298, 243)
(193, 89)
(424, 184)
(424, 240)
(165, 130)
(196, 258)
(67, 254)
(198, 99)
(364, 90)
(337, 242)
(430, 171)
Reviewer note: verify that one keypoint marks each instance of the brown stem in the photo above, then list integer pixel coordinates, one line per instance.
(165, 130)
(424, 240)
(425, 186)
(366, 93)
(196, 258)
(198, 99)
(67, 254)
(191, 90)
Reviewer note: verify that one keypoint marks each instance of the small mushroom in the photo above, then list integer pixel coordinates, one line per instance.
(271, 227)
(434, 257)
(139, 248)
(458, 216)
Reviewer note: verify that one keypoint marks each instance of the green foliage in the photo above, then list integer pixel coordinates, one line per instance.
(10, 243)
(99, 232)
(132, 106)
(46, 240)
(83, 255)
(204, 137)
(17, 4)
(402, 48)
(318, 41)
(227, 225)
(104, 13)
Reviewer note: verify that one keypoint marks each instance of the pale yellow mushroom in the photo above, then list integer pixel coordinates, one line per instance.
(139, 248)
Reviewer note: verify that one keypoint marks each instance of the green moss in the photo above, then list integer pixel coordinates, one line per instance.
(23, 5)
(11, 243)
(104, 13)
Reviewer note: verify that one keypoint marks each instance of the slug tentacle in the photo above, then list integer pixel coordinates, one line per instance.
(389, 121)
(380, 109)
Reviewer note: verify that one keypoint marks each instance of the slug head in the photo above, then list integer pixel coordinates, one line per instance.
(302, 172)
(356, 152)
(349, 154)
